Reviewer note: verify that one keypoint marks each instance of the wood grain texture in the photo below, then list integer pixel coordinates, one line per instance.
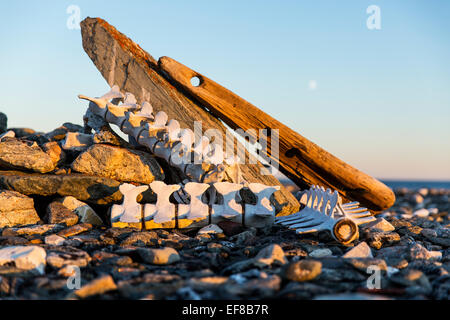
(300, 159)
(123, 62)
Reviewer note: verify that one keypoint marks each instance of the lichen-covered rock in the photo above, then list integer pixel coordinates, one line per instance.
(16, 209)
(97, 190)
(119, 164)
(58, 213)
(22, 155)
(304, 270)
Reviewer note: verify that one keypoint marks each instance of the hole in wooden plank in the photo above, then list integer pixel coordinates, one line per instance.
(196, 81)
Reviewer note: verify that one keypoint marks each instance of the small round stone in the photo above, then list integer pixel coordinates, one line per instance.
(304, 270)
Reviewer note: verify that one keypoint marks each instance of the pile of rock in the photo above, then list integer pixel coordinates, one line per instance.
(37, 169)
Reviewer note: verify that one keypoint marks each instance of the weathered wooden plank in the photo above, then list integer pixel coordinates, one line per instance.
(123, 62)
(300, 159)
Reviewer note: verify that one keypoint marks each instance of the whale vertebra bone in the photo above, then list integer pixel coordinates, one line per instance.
(324, 211)
(196, 213)
(201, 161)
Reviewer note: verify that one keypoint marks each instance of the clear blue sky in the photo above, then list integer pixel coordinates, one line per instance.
(381, 100)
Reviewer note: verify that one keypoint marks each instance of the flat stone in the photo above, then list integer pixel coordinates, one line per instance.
(97, 286)
(397, 252)
(159, 256)
(67, 256)
(303, 270)
(362, 250)
(380, 224)
(54, 240)
(74, 230)
(32, 230)
(85, 213)
(18, 154)
(272, 254)
(428, 233)
(207, 283)
(265, 286)
(141, 239)
(320, 253)
(422, 213)
(58, 213)
(419, 252)
(378, 239)
(364, 263)
(16, 209)
(24, 257)
(97, 190)
(23, 132)
(210, 229)
(118, 164)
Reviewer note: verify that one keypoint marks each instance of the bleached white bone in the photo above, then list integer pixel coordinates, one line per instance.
(187, 138)
(324, 211)
(173, 130)
(263, 213)
(215, 156)
(146, 111)
(163, 139)
(99, 106)
(196, 209)
(154, 133)
(133, 124)
(230, 209)
(163, 211)
(201, 148)
(117, 114)
(130, 101)
(130, 211)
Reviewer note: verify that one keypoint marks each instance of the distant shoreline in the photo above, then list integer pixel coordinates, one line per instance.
(409, 184)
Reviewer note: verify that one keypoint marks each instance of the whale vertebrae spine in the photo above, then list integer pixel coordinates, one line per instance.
(196, 213)
(202, 161)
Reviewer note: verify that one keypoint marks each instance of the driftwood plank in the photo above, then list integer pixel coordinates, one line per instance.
(123, 62)
(301, 160)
